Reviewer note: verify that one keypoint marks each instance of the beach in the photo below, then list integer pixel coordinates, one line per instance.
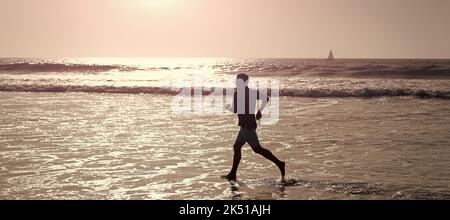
(81, 145)
(192, 105)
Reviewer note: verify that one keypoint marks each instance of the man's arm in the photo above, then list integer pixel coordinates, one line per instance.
(233, 107)
(230, 108)
(265, 100)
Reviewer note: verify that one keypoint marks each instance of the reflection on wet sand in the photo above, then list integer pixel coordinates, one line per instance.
(131, 146)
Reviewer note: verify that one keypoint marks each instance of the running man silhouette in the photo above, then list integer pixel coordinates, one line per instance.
(244, 104)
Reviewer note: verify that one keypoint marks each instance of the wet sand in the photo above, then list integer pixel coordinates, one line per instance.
(128, 146)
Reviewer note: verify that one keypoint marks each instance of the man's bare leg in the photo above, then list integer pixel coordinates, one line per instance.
(268, 155)
(236, 159)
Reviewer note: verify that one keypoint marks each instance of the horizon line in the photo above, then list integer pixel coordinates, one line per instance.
(218, 57)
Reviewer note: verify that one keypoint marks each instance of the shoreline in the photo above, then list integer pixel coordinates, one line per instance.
(314, 93)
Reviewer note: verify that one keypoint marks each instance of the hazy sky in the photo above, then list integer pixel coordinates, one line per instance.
(225, 28)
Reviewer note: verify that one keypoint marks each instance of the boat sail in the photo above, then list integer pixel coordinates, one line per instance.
(330, 55)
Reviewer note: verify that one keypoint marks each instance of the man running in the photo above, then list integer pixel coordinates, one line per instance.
(244, 104)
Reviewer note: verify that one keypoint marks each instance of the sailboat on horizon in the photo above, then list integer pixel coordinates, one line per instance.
(330, 55)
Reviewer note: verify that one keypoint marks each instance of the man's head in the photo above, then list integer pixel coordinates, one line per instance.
(241, 80)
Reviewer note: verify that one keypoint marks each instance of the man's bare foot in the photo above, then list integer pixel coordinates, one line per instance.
(229, 177)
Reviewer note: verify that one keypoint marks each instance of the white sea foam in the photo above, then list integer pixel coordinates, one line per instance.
(298, 77)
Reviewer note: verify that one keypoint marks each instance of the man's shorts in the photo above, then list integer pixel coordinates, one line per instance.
(248, 136)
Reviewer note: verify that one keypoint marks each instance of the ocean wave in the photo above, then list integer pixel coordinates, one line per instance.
(86, 89)
(345, 68)
(58, 67)
(391, 69)
(307, 92)
(403, 72)
(365, 92)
